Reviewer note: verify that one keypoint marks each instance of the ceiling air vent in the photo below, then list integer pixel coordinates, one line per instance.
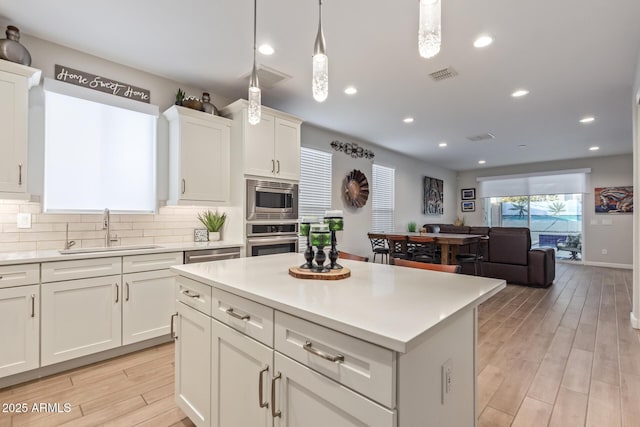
(481, 137)
(445, 73)
(268, 77)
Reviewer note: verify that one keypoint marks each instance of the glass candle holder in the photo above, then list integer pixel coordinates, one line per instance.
(320, 237)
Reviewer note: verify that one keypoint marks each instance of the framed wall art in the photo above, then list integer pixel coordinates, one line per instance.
(469, 206)
(468, 194)
(614, 199)
(433, 196)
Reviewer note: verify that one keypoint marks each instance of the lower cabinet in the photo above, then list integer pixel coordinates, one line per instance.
(80, 317)
(240, 379)
(193, 364)
(19, 329)
(147, 305)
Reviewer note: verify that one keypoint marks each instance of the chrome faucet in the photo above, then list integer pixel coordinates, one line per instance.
(106, 225)
(68, 243)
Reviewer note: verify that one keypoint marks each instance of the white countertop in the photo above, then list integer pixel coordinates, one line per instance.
(383, 304)
(25, 257)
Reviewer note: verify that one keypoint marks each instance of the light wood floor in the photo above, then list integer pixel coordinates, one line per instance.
(564, 356)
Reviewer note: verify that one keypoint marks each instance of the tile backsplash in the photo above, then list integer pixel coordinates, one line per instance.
(172, 224)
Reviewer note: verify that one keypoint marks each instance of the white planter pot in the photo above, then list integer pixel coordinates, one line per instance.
(214, 236)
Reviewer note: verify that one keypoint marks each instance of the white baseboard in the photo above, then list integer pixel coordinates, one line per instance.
(635, 322)
(608, 265)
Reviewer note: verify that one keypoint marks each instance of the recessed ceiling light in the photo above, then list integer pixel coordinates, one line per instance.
(522, 146)
(588, 119)
(266, 49)
(594, 148)
(442, 144)
(351, 90)
(483, 41)
(482, 162)
(519, 93)
(408, 120)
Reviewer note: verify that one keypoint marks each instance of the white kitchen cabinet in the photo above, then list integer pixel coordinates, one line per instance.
(241, 374)
(199, 161)
(19, 329)
(15, 82)
(193, 364)
(80, 317)
(271, 149)
(147, 305)
(306, 398)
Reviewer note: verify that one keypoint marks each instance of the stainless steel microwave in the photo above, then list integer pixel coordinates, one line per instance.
(271, 200)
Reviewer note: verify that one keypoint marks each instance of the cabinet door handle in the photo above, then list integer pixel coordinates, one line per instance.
(274, 413)
(308, 346)
(184, 185)
(127, 285)
(173, 331)
(278, 162)
(232, 313)
(117, 293)
(188, 293)
(273, 166)
(260, 387)
(33, 305)
(19, 173)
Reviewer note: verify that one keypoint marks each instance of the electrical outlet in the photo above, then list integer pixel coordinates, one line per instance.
(24, 220)
(604, 252)
(447, 380)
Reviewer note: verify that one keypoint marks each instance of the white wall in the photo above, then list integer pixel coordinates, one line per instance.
(408, 187)
(45, 55)
(605, 172)
(635, 315)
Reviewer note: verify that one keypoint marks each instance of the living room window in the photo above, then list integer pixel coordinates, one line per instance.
(382, 195)
(314, 197)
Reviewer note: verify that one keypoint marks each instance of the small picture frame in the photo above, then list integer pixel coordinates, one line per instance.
(468, 206)
(468, 194)
(200, 235)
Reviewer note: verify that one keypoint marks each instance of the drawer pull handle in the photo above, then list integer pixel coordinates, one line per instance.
(19, 173)
(127, 285)
(273, 166)
(274, 413)
(184, 186)
(232, 313)
(173, 331)
(308, 346)
(278, 162)
(117, 293)
(33, 305)
(188, 293)
(262, 403)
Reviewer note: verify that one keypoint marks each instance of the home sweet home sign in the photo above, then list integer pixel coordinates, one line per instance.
(102, 84)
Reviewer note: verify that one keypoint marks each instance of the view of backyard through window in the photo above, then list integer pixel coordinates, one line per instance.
(554, 220)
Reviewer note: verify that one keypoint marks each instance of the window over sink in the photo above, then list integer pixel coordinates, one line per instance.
(100, 151)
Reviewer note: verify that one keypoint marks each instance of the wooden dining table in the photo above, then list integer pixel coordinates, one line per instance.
(448, 242)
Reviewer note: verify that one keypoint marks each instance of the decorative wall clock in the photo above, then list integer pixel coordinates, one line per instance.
(356, 189)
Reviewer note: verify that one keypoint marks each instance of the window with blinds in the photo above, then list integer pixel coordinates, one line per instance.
(382, 205)
(314, 196)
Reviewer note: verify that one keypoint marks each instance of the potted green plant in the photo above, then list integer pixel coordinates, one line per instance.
(213, 221)
(412, 227)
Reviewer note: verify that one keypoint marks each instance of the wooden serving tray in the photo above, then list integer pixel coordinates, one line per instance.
(303, 273)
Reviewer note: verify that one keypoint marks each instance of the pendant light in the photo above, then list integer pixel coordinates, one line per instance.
(255, 95)
(320, 83)
(430, 28)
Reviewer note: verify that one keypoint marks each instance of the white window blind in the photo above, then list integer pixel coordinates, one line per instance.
(573, 181)
(314, 196)
(382, 204)
(98, 155)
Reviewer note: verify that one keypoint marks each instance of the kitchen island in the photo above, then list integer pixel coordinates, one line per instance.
(389, 346)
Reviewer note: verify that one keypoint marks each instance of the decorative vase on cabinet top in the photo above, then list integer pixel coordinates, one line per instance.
(12, 50)
(207, 106)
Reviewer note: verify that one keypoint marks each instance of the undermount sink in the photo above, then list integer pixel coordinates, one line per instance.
(109, 249)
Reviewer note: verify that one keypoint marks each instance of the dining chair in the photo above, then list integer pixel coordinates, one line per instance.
(473, 258)
(347, 255)
(427, 266)
(397, 246)
(423, 249)
(379, 246)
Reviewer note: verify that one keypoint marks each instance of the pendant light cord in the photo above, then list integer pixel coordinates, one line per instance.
(255, 19)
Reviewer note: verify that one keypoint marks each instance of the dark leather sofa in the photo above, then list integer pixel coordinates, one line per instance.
(507, 254)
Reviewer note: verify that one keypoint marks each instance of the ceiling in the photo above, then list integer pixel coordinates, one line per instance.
(576, 58)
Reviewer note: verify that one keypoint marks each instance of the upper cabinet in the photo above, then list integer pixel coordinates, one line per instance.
(270, 149)
(199, 157)
(15, 82)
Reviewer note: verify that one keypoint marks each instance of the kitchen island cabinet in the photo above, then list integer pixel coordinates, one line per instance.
(389, 346)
